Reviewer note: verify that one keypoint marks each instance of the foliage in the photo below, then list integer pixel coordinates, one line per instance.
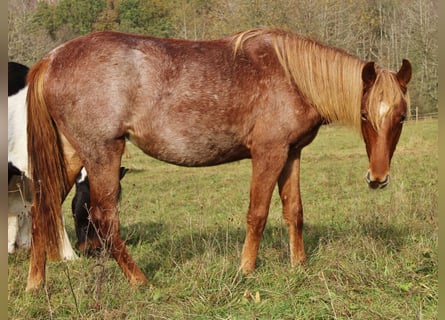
(78, 15)
(372, 254)
(385, 31)
(25, 42)
(147, 17)
(109, 18)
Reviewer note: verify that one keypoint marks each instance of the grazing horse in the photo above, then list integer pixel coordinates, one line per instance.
(260, 94)
(19, 194)
(80, 205)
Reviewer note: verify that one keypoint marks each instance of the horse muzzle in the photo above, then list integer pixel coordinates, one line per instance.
(374, 183)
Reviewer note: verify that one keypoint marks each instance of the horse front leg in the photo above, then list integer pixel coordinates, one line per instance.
(106, 218)
(266, 166)
(289, 189)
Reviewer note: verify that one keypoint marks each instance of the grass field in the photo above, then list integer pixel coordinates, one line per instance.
(371, 254)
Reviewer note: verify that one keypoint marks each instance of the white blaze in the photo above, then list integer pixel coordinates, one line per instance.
(383, 109)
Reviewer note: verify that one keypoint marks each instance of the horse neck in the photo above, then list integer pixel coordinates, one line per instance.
(328, 78)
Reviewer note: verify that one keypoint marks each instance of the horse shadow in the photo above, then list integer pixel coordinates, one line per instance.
(182, 248)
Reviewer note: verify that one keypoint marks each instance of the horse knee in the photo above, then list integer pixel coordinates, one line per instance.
(256, 223)
(292, 210)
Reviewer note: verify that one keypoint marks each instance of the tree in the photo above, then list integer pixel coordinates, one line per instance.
(108, 19)
(385, 31)
(26, 41)
(147, 17)
(192, 18)
(77, 15)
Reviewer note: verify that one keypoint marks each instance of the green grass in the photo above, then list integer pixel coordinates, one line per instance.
(371, 254)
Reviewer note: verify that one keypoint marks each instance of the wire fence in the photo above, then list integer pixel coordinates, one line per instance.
(416, 115)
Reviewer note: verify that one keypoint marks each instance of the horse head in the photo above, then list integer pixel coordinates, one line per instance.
(384, 108)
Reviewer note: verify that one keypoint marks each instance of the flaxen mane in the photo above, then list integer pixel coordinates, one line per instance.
(328, 77)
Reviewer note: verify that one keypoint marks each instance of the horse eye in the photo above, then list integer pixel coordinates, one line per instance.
(402, 118)
(364, 116)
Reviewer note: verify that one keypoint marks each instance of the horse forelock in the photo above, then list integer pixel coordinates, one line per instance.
(383, 96)
(328, 77)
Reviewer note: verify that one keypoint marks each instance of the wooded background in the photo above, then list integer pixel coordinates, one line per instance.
(385, 31)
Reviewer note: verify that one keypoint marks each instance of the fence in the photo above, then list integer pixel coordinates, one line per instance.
(415, 115)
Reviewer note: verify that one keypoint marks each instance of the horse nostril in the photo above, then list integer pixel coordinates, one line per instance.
(385, 182)
(376, 184)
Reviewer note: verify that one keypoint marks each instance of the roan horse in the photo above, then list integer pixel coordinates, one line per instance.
(260, 94)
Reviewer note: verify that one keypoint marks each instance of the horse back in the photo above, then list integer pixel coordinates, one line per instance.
(191, 103)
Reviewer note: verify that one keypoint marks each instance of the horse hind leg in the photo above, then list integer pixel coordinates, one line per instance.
(73, 166)
(37, 263)
(104, 193)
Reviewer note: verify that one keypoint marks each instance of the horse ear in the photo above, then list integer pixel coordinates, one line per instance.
(404, 74)
(122, 172)
(368, 74)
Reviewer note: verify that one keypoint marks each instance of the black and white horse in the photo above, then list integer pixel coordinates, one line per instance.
(19, 195)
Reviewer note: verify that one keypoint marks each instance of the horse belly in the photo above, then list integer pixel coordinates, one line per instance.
(203, 148)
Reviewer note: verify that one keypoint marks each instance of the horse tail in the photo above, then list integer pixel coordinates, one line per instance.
(46, 165)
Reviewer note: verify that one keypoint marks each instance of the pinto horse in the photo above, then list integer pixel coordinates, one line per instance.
(19, 195)
(260, 94)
